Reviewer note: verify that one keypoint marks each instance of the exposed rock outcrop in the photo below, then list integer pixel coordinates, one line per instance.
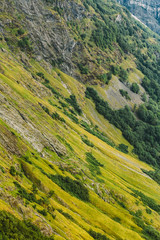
(146, 10)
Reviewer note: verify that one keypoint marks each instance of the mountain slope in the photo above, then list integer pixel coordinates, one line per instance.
(64, 166)
(147, 11)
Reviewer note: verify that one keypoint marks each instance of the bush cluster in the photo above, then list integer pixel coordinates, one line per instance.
(12, 228)
(144, 136)
(71, 186)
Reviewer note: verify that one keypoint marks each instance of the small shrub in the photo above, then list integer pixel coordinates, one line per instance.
(83, 69)
(71, 116)
(86, 141)
(97, 236)
(56, 116)
(50, 194)
(123, 148)
(67, 215)
(24, 194)
(20, 31)
(43, 212)
(40, 74)
(2, 169)
(24, 44)
(124, 94)
(13, 171)
(148, 210)
(135, 88)
(73, 101)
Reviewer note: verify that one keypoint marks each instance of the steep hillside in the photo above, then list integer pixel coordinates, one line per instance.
(147, 11)
(79, 106)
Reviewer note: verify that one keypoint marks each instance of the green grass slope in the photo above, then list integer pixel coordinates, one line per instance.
(67, 170)
(59, 175)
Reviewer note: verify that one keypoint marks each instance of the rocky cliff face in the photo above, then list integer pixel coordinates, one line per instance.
(146, 10)
(46, 22)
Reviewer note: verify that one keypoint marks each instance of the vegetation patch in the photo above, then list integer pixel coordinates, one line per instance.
(87, 142)
(94, 164)
(66, 215)
(73, 102)
(12, 228)
(97, 236)
(94, 131)
(135, 88)
(143, 136)
(123, 148)
(147, 200)
(73, 187)
(155, 175)
(24, 194)
(124, 94)
(71, 116)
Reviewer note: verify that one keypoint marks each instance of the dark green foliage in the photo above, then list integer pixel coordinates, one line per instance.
(71, 116)
(119, 71)
(46, 109)
(143, 136)
(67, 215)
(43, 212)
(73, 101)
(104, 34)
(151, 233)
(117, 219)
(24, 194)
(148, 210)
(94, 164)
(20, 31)
(12, 171)
(26, 159)
(97, 236)
(83, 69)
(50, 194)
(155, 175)
(106, 77)
(34, 189)
(12, 228)
(40, 74)
(71, 186)
(147, 201)
(124, 94)
(57, 94)
(83, 36)
(135, 88)
(64, 105)
(56, 116)
(122, 147)
(148, 232)
(2, 169)
(139, 221)
(146, 114)
(86, 141)
(65, 142)
(97, 133)
(25, 44)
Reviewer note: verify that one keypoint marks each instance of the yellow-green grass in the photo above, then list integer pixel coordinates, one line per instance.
(120, 173)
